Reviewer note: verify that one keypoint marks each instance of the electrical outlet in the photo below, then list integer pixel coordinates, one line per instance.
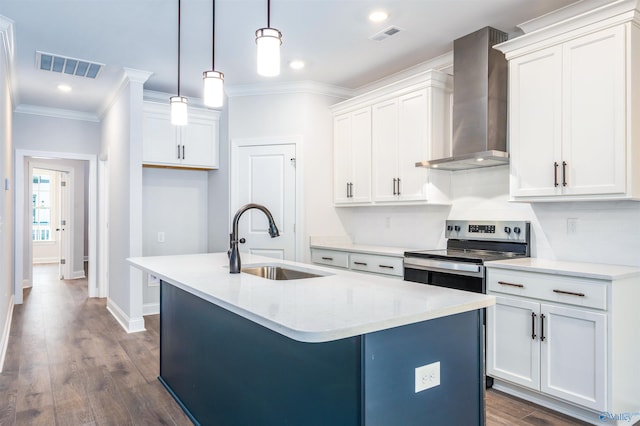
(572, 225)
(161, 237)
(427, 376)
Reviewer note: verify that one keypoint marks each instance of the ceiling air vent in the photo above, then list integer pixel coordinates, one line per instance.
(66, 65)
(386, 33)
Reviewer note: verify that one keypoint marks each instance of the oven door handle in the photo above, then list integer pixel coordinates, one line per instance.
(453, 267)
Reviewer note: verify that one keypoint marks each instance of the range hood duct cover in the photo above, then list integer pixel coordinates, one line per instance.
(479, 103)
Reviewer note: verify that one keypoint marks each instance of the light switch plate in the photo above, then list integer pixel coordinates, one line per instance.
(427, 376)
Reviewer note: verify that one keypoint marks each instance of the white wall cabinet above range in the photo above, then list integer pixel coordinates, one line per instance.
(573, 109)
(374, 162)
(195, 145)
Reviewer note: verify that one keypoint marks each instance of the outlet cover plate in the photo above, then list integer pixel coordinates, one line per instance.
(427, 376)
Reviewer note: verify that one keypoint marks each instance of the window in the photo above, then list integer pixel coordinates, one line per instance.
(41, 199)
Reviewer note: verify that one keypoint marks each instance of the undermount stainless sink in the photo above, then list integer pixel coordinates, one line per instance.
(281, 272)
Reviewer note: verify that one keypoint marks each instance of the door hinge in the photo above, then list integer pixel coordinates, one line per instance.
(63, 183)
(63, 261)
(63, 222)
(293, 161)
(294, 228)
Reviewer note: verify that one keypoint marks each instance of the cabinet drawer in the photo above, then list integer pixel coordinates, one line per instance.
(387, 265)
(338, 259)
(561, 289)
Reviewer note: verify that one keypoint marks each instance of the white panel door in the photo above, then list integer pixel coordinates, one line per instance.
(573, 360)
(342, 175)
(65, 225)
(413, 145)
(200, 141)
(535, 123)
(266, 174)
(159, 136)
(361, 155)
(385, 150)
(513, 345)
(594, 113)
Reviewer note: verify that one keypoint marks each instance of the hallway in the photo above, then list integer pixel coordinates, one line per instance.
(70, 363)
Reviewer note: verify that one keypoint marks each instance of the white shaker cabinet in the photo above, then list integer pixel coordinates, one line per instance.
(352, 157)
(192, 146)
(572, 109)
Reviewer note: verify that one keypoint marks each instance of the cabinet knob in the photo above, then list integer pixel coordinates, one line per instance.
(507, 229)
(517, 230)
(456, 228)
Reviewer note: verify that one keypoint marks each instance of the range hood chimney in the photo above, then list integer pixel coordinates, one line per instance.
(479, 103)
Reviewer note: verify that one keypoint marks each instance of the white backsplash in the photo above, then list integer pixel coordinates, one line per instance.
(604, 231)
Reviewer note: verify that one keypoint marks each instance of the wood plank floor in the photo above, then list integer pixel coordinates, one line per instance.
(70, 363)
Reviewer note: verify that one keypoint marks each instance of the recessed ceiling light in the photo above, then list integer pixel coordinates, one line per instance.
(378, 16)
(64, 88)
(296, 65)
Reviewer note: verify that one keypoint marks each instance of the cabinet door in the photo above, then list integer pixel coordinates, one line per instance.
(513, 345)
(385, 150)
(159, 136)
(361, 155)
(413, 144)
(594, 113)
(341, 158)
(535, 123)
(573, 356)
(199, 141)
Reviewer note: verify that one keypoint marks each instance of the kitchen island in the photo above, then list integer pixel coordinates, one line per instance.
(341, 348)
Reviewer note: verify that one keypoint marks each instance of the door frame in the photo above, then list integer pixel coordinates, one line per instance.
(19, 239)
(295, 140)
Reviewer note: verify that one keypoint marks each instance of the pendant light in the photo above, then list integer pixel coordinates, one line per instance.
(213, 80)
(179, 115)
(268, 41)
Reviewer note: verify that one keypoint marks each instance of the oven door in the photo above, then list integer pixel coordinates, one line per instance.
(458, 275)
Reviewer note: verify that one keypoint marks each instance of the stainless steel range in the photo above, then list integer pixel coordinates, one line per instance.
(461, 264)
(469, 245)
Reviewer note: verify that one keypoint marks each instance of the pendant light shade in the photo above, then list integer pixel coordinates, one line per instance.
(179, 114)
(268, 41)
(213, 80)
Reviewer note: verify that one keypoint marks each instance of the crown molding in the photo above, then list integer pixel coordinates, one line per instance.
(128, 75)
(56, 113)
(136, 76)
(305, 86)
(162, 97)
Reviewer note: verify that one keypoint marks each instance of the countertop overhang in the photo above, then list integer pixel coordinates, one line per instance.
(339, 305)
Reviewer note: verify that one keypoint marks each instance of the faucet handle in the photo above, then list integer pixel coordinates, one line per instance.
(242, 241)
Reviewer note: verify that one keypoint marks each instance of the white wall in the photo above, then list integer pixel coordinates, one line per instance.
(175, 203)
(218, 191)
(43, 133)
(6, 195)
(297, 114)
(607, 232)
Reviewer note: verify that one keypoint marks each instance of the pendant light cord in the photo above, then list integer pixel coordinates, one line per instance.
(213, 37)
(268, 13)
(179, 47)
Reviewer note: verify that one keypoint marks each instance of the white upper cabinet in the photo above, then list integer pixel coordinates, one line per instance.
(409, 122)
(352, 157)
(192, 146)
(571, 110)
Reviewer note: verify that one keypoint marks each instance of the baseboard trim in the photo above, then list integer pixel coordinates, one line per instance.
(75, 275)
(583, 414)
(150, 309)
(26, 283)
(4, 343)
(44, 260)
(130, 325)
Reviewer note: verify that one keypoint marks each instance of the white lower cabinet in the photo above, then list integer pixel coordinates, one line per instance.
(557, 350)
(359, 261)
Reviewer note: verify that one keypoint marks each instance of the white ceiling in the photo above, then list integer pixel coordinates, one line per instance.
(331, 36)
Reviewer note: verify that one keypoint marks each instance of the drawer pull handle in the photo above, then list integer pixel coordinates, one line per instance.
(327, 258)
(510, 284)
(542, 317)
(386, 266)
(360, 263)
(571, 293)
(533, 325)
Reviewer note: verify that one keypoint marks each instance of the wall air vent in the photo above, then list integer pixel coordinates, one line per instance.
(386, 33)
(66, 65)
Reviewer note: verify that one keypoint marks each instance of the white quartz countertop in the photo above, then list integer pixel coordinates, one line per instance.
(360, 248)
(599, 271)
(339, 305)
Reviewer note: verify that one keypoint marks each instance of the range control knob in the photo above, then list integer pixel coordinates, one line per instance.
(516, 230)
(449, 228)
(507, 229)
(456, 228)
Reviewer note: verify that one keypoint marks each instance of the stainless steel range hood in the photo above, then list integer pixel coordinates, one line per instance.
(479, 104)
